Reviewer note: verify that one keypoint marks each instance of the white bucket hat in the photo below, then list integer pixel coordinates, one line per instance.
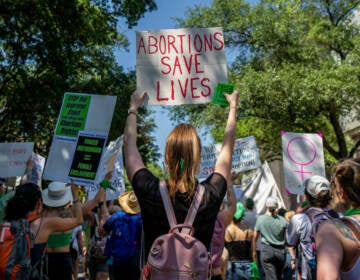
(56, 195)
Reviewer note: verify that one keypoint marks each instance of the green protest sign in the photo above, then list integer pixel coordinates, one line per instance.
(73, 114)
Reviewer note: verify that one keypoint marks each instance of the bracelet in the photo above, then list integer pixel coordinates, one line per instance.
(75, 200)
(132, 111)
(233, 108)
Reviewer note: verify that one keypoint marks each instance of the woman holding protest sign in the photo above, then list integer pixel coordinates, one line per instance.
(182, 158)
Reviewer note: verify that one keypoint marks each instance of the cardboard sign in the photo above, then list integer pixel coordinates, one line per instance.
(245, 156)
(303, 157)
(87, 157)
(79, 112)
(13, 158)
(180, 66)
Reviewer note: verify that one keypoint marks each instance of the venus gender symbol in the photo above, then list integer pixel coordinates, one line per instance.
(301, 151)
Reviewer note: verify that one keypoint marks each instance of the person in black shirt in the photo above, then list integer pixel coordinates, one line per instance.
(182, 158)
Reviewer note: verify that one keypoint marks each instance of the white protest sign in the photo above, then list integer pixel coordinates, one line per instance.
(13, 158)
(112, 160)
(180, 66)
(37, 170)
(79, 112)
(245, 156)
(303, 157)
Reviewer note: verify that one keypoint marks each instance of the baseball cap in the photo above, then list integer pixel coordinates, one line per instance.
(315, 184)
(271, 202)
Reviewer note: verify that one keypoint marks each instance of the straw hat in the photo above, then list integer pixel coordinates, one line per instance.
(56, 195)
(129, 202)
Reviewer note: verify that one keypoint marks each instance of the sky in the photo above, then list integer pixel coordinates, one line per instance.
(162, 18)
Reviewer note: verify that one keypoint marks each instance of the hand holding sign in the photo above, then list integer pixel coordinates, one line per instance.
(137, 100)
(232, 98)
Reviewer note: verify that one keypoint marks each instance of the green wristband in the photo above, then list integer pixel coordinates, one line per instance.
(105, 184)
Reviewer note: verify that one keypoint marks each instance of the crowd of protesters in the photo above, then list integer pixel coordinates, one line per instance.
(313, 241)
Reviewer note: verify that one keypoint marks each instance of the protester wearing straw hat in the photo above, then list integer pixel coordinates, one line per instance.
(124, 252)
(129, 203)
(56, 197)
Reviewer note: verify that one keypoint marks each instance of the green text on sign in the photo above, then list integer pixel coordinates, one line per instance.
(73, 114)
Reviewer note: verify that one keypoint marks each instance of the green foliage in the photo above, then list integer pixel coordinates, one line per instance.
(296, 68)
(51, 47)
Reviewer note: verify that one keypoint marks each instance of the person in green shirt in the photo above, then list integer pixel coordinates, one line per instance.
(271, 228)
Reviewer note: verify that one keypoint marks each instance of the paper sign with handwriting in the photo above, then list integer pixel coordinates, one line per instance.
(245, 156)
(180, 66)
(303, 157)
(13, 158)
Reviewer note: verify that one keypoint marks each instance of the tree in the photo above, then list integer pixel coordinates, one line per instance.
(296, 67)
(52, 47)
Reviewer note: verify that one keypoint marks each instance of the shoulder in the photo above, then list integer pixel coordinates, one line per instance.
(143, 181)
(298, 219)
(215, 179)
(216, 185)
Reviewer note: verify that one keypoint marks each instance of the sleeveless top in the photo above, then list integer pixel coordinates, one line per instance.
(217, 242)
(57, 240)
(37, 252)
(239, 250)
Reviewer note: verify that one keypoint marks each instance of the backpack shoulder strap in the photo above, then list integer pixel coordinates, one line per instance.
(167, 204)
(314, 215)
(190, 217)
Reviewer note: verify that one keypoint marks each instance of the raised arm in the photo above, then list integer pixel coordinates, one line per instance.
(226, 215)
(133, 160)
(26, 178)
(99, 196)
(224, 161)
(92, 203)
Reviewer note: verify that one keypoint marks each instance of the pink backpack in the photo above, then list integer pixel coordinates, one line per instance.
(177, 254)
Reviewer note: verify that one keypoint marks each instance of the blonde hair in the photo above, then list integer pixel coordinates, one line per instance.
(182, 157)
(289, 214)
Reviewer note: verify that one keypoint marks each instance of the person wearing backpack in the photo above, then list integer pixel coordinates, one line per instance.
(124, 239)
(303, 226)
(182, 159)
(26, 206)
(16, 238)
(338, 240)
